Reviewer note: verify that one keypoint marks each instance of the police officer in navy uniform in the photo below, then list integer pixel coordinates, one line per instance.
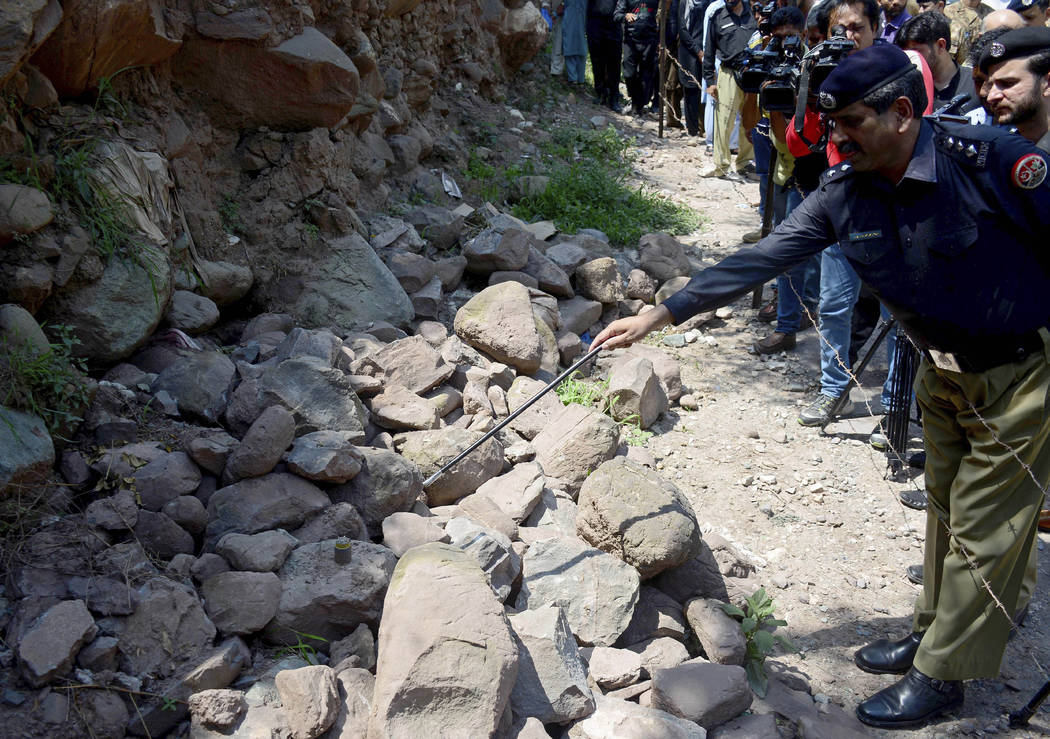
(946, 224)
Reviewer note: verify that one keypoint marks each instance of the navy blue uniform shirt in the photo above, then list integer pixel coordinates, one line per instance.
(958, 250)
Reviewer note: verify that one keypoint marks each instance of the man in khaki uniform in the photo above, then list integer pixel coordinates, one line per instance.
(965, 17)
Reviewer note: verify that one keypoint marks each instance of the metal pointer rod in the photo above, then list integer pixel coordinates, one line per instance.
(557, 381)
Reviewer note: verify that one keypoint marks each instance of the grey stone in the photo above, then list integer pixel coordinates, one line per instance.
(208, 565)
(659, 653)
(165, 478)
(106, 596)
(754, 726)
(708, 694)
(483, 510)
(386, 484)
(517, 492)
(614, 668)
(217, 709)
(310, 698)
(656, 615)
(301, 342)
(263, 445)
(191, 313)
(164, 607)
(241, 602)
(492, 250)
(426, 301)
(162, 537)
(615, 718)
(640, 286)
(568, 256)
(600, 280)
(431, 450)
(324, 456)
(499, 322)
(575, 442)
(411, 270)
(23, 210)
(630, 511)
(550, 277)
(634, 392)
(663, 257)
(337, 520)
(492, 551)
(403, 530)
(114, 513)
(356, 687)
(26, 450)
(597, 591)
(412, 363)
(223, 282)
(199, 382)
(220, 668)
(188, 512)
(437, 642)
(555, 511)
(538, 416)
(509, 276)
(578, 314)
(277, 500)
(398, 408)
(360, 646)
(450, 271)
(670, 287)
(99, 655)
(719, 634)
(48, 648)
(552, 680)
(262, 552)
(322, 597)
(211, 449)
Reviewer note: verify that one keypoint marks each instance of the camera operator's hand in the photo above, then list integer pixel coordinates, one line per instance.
(713, 91)
(631, 17)
(626, 331)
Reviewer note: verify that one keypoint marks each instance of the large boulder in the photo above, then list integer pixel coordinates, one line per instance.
(522, 34)
(412, 363)
(575, 443)
(24, 27)
(600, 280)
(100, 39)
(634, 393)
(241, 602)
(263, 445)
(346, 284)
(115, 315)
(310, 699)
(615, 718)
(446, 655)
(324, 456)
(708, 694)
(597, 591)
(277, 500)
(499, 322)
(491, 549)
(497, 251)
(26, 450)
(305, 82)
(320, 596)
(23, 210)
(718, 633)
(663, 257)
(552, 679)
(52, 641)
(630, 511)
(199, 382)
(431, 450)
(164, 607)
(387, 483)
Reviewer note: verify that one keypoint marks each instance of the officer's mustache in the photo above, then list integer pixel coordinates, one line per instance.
(850, 147)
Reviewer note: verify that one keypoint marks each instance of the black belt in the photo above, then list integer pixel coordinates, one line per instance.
(984, 359)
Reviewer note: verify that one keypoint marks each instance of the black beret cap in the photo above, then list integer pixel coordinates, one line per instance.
(1020, 42)
(862, 73)
(1018, 5)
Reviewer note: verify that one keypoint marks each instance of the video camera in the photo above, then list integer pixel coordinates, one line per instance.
(773, 73)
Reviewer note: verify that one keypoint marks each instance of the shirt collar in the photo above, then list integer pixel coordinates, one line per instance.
(923, 164)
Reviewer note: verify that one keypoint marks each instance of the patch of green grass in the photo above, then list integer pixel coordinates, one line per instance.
(304, 648)
(574, 390)
(47, 384)
(230, 214)
(590, 173)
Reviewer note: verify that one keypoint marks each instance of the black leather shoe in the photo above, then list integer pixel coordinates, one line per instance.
(913, 701)
(885, 657)
(915, 574)
(915, 499)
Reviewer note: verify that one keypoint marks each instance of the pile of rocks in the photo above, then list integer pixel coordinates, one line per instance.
(552, 581)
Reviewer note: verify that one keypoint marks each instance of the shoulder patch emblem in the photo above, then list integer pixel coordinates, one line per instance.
(827, 100)
(1029, 171)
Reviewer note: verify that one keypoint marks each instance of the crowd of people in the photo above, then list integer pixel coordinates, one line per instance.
(912, 189)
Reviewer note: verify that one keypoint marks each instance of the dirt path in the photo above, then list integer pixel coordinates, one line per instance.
(815, 511)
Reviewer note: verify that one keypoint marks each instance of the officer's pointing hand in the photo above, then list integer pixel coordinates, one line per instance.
(626, 331)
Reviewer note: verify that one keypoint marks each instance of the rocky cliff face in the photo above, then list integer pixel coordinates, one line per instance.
(242, 138)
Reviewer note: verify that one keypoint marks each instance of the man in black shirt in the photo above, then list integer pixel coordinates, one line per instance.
(641, 38)
(604, 46)
(930, 35)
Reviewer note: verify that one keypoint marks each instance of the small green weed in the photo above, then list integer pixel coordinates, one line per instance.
(574, 390)
(755, 622)
(304, 650)
(230, 213)
(49, 384)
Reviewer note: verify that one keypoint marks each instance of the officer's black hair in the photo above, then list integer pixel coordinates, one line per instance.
(788, 16)
(871, 9)
(982, 42)
(910, 86)
(925, 28)
(1039, 64)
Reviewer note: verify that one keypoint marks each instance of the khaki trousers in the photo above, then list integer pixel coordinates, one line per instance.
(977, 483)
(730, 101)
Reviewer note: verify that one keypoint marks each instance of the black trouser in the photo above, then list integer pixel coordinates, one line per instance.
(639, 69)
(605, 66)
(692, 109)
